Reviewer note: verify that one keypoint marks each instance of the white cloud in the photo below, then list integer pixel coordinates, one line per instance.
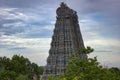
(109, 59)
(106, 49)
(36, 49)
(92, 34)
(7, 9)
(13, 14)
(104, 44)
(15, 24)
(26, 42)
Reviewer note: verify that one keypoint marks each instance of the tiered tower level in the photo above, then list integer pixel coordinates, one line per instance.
(67, 39)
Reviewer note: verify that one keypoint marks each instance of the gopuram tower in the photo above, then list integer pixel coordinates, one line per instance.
(67, 39)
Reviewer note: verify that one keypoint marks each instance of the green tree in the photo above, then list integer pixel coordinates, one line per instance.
(4, 63)
(87, 69)
(18, 68)
(22, 77)
(41, 70)
(21, 65)
(8, 75)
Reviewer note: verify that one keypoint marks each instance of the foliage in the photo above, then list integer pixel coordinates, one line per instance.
(87, 50)
(22, 77)
(8, 75)
(87, 69)
(52, 77)
(18, 68)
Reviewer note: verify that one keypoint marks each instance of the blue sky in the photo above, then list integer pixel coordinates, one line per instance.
(26, 28)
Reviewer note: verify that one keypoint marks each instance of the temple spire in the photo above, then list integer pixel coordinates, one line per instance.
(66, 40)
(63, 4)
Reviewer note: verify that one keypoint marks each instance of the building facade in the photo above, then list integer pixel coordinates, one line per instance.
(66, 39)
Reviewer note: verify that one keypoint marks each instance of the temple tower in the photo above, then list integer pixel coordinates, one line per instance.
(66, 39)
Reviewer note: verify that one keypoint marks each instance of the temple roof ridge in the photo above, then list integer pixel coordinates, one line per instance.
(63, 4)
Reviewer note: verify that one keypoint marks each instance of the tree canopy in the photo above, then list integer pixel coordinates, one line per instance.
(87, 69)
(19, 68)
